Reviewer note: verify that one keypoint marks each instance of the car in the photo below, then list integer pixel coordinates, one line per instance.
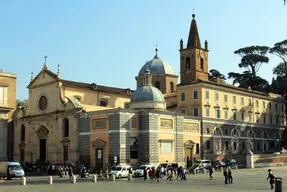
(218, 164)
(197, 168)
(203, 162)
(167, 166)
(120, 172)
(139, 172)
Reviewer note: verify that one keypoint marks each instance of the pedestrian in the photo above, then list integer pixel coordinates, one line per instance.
(225, 174)
(271, 178)
(8, 172)
(169, 174)
(157, 172)
(210, 172)
(230, 178)
(145, 174)
(179, 172)
(183, 175)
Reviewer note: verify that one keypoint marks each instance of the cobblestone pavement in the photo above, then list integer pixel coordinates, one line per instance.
(244, 180)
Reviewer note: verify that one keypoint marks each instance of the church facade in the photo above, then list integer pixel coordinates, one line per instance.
(161, 121)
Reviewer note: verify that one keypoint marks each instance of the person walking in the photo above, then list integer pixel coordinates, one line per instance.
(225, 174)
(169, 174)
(157, 172)
(230, 178)
(271, 178)
(210, 172)
(145, 174)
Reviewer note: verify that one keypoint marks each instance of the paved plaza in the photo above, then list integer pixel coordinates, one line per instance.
(244, 180)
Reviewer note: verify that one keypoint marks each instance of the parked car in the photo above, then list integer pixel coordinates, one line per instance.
(203, 162)
(197, 168)
(167, 166)
(120, 172)
(16, 170)
(218, 164)
(139, 172)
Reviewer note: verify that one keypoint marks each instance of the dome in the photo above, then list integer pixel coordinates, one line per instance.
(147, 97)
(157, 66)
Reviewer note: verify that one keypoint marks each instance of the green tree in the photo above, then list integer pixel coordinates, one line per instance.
(215, 74)
(21, 103)
(253, 57)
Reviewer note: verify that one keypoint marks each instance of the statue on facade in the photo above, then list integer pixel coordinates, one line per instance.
(249, 148)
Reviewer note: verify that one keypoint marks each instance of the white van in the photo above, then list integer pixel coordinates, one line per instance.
(139, 172)
(203, 163)
(120, 172)
(15, 169)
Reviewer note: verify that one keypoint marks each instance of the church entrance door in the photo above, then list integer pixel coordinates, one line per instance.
(99, 159)
(42, 150)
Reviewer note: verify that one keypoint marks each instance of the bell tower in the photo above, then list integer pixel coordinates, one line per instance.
(193, 58)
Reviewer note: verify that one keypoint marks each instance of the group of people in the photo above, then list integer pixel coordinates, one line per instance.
(228, 175)
(160, 172)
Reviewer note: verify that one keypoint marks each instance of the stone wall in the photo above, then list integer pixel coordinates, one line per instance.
(269, 160)
(83, 141)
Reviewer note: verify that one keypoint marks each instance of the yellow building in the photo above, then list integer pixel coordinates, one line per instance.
(46, 129)
(7, 104)
(231, 117)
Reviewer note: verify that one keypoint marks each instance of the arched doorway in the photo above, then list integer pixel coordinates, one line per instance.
(189, 145)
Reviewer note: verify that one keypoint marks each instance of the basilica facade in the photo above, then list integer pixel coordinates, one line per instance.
(163, 120)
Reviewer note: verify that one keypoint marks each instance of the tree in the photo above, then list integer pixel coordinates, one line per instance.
(253, 57)
(21, 103)
(280, 50)
(214, 74)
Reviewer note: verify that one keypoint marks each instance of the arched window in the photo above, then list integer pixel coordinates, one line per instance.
(65, 128)
(201, 63)
(187, 63)
(265, 135)
(104, 103)
(22, 133)
(235, 133)
(217, 132)
(250, 134)
(171, 87)
(157, 84)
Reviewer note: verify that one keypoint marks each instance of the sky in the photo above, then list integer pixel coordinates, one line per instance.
(108, 41)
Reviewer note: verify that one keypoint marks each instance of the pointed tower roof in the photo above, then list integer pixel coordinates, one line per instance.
(193, 38)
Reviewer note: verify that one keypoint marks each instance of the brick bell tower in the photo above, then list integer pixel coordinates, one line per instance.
(193, 58)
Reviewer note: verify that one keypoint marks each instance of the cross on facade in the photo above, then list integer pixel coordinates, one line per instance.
(45, 58)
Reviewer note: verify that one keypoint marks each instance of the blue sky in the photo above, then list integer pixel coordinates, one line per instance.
(107, 42)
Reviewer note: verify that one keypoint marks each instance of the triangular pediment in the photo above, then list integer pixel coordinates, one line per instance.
(43, 78)
(189, 144)
(42, 131)
(98, 142)
(65, 141)
(22, 144)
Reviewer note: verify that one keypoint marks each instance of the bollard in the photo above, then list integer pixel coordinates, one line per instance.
(50, 180)
(73, 179)
(113, 178)
(221, 169)
(204, 171)
(23, 181)
(194, 171)
(94, 178)
(130, 177)
(278, 184)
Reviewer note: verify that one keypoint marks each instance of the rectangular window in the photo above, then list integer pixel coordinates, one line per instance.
(65, 153)
(243, 145)
(242, 100)
(234, 146)
(4, 95)
(234, 99)
(207, 111)
(277, 120)
(183, 110)
(225, 98)
(257, 118)
(217, 113)
(234, 115)
(257, 103)
(250, 102)
(225, 114)
(195, 112)
(217, 97)
(197, 148)
(242, 116)
(208, 145)
(264, 106)
(226, 145)
(165, 147)
(258, 146)
(270, 120)
(206, 94)
(182, 96)
(264, 118)
(270, 105)
(250, 117)
(133, 122)
(195, 95)
(99, 123)
(283, 120)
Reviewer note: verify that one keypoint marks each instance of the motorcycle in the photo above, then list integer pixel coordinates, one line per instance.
(84, 173)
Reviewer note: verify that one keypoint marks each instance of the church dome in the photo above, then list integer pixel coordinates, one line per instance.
(157, 66)
(147, 96)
